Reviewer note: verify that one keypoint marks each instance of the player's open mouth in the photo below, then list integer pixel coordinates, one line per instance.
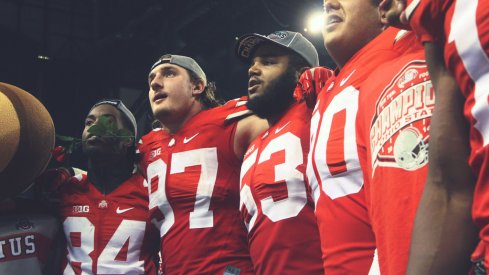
(332, 20)
(93, 139)
(159, 97)
(253, 84)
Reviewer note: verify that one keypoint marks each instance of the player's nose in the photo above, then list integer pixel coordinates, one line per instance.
(330, 5)
(254, 69)
(155, 83)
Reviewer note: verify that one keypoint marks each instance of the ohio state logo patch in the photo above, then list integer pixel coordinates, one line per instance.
(399, 131)
(24, 224)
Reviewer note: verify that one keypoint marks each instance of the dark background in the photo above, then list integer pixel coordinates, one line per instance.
(71, 53)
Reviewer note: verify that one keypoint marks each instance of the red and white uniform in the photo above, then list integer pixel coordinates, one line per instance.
(393, 131)
(193, 178)
(333, 169)
(276, 202)
(29, 236)
(108, 234)
(461, 29)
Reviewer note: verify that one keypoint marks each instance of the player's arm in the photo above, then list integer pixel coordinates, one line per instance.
(310, 83)
(247, 130)
(444, 234)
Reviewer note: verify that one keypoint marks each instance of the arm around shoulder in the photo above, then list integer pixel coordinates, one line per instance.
(247, 130)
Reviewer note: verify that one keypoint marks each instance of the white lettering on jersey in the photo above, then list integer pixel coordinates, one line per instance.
(201, 217)
(81, 209)
(29, 244)
(463, 31)
(18, 246)
(15, 248)
(155, 153)
(399, 128)
(296, 191)
(157, 197)
(80, 236)
(245, 196)
(409, 9)
(2, 243)
(346, 176)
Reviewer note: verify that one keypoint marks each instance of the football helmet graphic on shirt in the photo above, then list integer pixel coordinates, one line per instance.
(410, 150)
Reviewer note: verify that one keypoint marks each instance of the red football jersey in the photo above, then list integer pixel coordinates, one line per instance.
(276, 202)
(461, 29)
(29, 238)
(194, 193)
(393, 133)
(108, 234)
(333, 169)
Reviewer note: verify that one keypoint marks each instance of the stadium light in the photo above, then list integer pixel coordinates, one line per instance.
(314, 22)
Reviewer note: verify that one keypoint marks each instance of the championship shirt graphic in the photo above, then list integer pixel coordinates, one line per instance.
(399, 131)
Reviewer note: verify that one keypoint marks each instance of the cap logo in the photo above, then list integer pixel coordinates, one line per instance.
(294, 41)
(248, 45)
(278, 35)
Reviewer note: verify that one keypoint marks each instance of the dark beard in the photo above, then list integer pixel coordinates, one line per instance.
(277, 97)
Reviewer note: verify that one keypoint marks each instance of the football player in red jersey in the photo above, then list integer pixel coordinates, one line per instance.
(276, 203)
(192, 166)
(355, 38)
(393, 134)
(104, 212)
(454, 35)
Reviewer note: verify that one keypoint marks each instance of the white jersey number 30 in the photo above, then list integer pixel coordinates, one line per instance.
(345, 176)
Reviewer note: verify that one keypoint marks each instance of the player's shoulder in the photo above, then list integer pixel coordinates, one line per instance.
(411, 59)
(401, 73)
(136, 185)
(406, 42)
(299, 112)
(77, 182)
(231, 111)
(137, 180)
(383, 43)
(371, 56)
(146, 141)
(433, 8)
(427, 18)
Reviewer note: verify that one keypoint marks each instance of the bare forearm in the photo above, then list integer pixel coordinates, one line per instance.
(444, 235)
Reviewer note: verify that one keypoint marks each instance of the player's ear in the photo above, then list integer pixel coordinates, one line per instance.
(198, 87)
(384, 7)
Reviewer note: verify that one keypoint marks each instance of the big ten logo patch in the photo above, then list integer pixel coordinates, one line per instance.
(399, 131)
(155, 153)
(81, 209)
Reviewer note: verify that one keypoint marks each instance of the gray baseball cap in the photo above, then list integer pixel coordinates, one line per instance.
(248, 43)
(184, 62)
